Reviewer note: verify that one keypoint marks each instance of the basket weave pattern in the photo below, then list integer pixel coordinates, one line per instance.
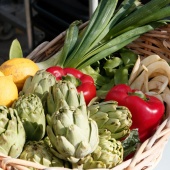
(150, 152)
(153, 42)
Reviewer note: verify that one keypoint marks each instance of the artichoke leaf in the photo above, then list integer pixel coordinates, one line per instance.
(94, 137)
(73, 100)
(51, 136)
(81, 122)
(83, 149)
(64, 146)
(59, 128)
(75, 135)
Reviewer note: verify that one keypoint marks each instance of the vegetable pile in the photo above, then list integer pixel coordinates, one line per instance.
(93, 102)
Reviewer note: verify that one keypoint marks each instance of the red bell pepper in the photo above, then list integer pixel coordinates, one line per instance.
(83, 82)
(147, 111)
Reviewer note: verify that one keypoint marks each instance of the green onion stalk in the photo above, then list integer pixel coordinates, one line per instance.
(110, 28)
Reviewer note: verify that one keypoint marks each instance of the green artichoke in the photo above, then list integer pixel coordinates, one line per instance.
(112, 117)
(39, 83)
(12, 133)
(108, 153)
(39, 152)
(31, 112)
(63, 90)
(72, 133)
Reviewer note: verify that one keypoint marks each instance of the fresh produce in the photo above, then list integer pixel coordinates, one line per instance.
(15, 50)
(12, 136)
(83, 82)
(105, 128)
(38, 84)
(147, 111)
(118, 66)
(63, 91)
(108, 153)
(72, 133)
(110, 28)
(149, 68)
(108, 115)
(20, 69)
(130, 144)
(31, 112)
(152, 76)
(9, 91)
(112, 70)
(39, 152)
(1, 74)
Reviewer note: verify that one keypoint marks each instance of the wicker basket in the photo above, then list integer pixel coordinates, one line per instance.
(150, 152)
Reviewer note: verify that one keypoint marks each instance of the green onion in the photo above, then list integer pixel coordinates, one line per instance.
(137, 16)
(96, 25)
(113, 45)
(70, 41)
(110, 28)
(124, 10)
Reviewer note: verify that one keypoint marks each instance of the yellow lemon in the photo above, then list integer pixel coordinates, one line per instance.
(20, 69)
(9, 91)
(1, 74)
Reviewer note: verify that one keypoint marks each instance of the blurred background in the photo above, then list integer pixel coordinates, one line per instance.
(35, 21)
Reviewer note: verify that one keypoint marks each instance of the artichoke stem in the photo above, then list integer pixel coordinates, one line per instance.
(76, 166)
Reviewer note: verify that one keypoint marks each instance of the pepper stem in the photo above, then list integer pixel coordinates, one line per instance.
(72, 79)
(139, 94)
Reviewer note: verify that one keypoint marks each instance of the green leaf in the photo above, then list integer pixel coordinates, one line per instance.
(15, 50)
(128, 57)
(102, 92)
(131, 142)
(70, 40)
(113, 62)
(98, 78)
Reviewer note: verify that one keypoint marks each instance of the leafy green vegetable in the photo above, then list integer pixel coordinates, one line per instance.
(15, 50)
(110, 28)
(130, 143)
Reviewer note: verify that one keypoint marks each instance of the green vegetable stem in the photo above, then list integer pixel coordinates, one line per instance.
(110, 28)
